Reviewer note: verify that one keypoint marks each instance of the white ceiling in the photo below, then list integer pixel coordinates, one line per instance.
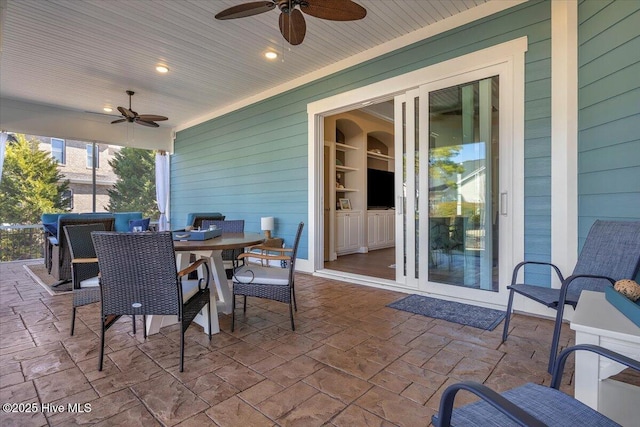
(83, 54)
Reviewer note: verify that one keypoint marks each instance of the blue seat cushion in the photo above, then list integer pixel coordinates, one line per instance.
(548, 405)
(122, 219)
(144, 223)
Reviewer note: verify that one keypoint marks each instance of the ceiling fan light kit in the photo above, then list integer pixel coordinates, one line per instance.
(131, 116)
(291, 22)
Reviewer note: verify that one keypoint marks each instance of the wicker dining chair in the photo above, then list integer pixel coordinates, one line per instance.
(611, 252)
(84, 267)
(138, 276)
(272, 283)
(528, 405)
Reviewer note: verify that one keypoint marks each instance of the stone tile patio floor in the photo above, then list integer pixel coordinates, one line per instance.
(351, 362)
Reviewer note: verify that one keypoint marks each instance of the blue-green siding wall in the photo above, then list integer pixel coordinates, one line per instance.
(609, 112)
(253, 162)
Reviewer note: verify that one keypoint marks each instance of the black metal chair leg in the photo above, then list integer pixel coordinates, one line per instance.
(293, 327)
(134, 324)
(244, 308)
(73, 320)
(507, 318)
(182, 348)
(209, 317)
(144, 325)
(293, 295)
(233, 312)
(104, 330)
(556, 336)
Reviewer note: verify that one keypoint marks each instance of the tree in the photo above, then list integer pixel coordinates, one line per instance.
(442, 168)
(31, 183)
(135, 187)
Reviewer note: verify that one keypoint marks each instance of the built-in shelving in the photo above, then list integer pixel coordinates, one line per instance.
(378, 156)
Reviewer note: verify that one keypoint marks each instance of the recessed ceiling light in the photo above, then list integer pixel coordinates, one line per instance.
(162, 69)
(271, 55)
(108, 109)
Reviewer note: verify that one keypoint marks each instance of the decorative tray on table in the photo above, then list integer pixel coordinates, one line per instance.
(196, 234)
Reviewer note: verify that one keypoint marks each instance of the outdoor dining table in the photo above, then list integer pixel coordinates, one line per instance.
(211, 249)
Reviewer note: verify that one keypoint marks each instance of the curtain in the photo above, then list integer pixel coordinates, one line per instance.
(3, 147)
(162, 189)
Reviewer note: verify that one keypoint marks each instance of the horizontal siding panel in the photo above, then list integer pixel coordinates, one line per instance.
(538, 128)
(613, 85)
(625, 180)
(537, 244)
(538, 224)
(539, 89)
(540, 147)
(537, 279)
(587, 9)
(610, 109)
(539, 205)
(625, 205)
(606, 64)
(537, 186)
(609, 134)
(537, 109)
(620, 29)
(612, 158)
(537, 167)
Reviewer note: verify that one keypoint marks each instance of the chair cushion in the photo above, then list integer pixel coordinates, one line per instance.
(256, 274)
(122, 219)
(549, 405)
(90, 283)
(144, 223)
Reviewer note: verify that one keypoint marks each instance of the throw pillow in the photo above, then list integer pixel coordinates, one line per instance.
(144, 223)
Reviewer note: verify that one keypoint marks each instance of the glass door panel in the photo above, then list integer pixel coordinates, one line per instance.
(462, 182)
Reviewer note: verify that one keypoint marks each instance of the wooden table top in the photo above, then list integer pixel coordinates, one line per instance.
(225, 241)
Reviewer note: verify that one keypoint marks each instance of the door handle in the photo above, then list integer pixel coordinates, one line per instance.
(503, 203)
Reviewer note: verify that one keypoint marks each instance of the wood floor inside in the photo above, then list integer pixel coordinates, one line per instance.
(379, 263)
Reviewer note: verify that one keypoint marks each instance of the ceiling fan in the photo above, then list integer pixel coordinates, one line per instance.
(141, 119)
(292, 25)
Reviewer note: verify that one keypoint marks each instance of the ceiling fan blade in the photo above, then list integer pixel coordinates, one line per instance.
(334, 10)
(292, 27)
(119, 121)
(152, 118)
(146, 123)
(127, 113)
(246, 9)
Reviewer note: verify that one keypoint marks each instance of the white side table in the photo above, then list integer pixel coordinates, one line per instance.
(598, 322)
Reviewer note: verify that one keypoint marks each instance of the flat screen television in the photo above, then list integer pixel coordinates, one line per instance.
(380, 189)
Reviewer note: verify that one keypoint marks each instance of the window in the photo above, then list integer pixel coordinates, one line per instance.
(90, 156)
(68, 198)
(58, 150)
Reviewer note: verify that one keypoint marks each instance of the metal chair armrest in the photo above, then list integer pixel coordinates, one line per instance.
(517, 268)
(515, 413)
(558, 367)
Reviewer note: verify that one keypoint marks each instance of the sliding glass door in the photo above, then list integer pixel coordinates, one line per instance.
(453, 203)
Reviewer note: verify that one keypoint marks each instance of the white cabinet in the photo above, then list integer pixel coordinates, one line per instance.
(381, 228)
(348, 238)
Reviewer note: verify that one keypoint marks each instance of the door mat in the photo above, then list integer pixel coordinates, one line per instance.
(464, 314)
(38, 273)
